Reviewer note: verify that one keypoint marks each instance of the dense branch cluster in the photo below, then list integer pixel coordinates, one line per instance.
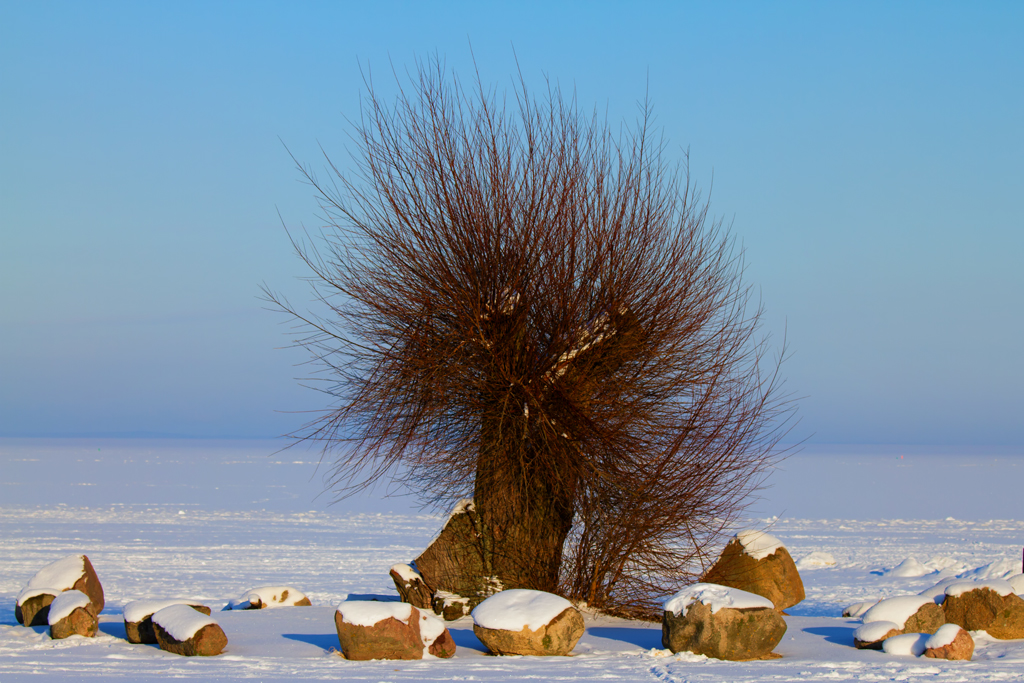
(528, 309)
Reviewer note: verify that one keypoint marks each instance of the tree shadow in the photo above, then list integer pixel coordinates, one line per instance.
(645, 638)
(114, 628)
(840, 635)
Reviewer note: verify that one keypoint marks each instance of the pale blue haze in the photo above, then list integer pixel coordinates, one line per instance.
(868, 156)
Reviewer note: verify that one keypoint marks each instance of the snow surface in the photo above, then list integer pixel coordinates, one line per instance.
(758, 544)
(1000, 569)
(137, 610)
(816, 560)
(906, 644)
(181, 621)
(857, 609)
(66, 603)
(909, 567)
(367, 613)
(945, 635)
(61, 574)
(896, 610)
(869, 633)
(960, 587)
(517, 608)
(270, 596)
(717, 596)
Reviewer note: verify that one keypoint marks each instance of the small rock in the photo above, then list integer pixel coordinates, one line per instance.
(758, 563)
(721, 622)
(411, 586)
(390, 630)
(871, 636)
(269, 596)
(71, 614)
(950, 642)
(187, 632)
(138, 618)
(33, 605)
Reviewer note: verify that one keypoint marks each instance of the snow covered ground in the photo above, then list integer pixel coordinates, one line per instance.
(207, 521)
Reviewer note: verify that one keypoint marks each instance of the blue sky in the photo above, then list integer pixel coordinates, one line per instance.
(868, 156)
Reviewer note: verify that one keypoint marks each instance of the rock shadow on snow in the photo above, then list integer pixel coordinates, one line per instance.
(324, 641)
(840, 635)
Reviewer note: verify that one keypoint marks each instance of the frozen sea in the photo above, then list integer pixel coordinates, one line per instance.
(209, 519)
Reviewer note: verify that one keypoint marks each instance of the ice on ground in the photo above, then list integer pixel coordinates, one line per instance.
(909, 568)
(960, 587)
(66, 603)
(944, 636)
(857, 609)
(137, 610)
(181, 621)
(906, 644)
(370, 612)
(61, 574)
(758, 544)
(896, 610)
(875, 631)
(816, 560)
(270, 596)
(518, 608)
(27, 593)
(716, 596)
(1000, 569)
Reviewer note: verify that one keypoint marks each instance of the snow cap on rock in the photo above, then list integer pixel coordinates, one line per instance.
(66, 603)
(369, 612)
(758, 544)
(181, 621)
(874, 631)
(61, 574)
(518, 608)
(944, 636)
(896, 610)
(906, 644)
(960, 587)
(716, 596)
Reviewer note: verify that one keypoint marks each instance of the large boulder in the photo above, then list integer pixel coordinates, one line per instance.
(756, 562)
(910, 614)
(71, 614)
(411, 587)
(527, 622)
(33, 605)
(138, 618)
(950, 642)
(452, 562)
(990, 606)
(269, 596)
(188, 632)
(74, 572)
(721, 622)
(390, 630)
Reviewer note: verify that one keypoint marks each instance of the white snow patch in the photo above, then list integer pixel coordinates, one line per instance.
(66, 603)
(937, 593)
(181, 621)
(943, 637)
(857, 609)
(270, 596)
(876, 630)
(431, 628)
(1017, 582)
(464, 505)
(1000, 569)
(896, 610)
(519, 608)
(450, 598)
(406, 573)
(906, 644)
(909, 568)
(960, 587)
(137, 610)
(61, 574)
(715, 595)
(816, 560)
(758, 544)
(27, 593)
(369, 612)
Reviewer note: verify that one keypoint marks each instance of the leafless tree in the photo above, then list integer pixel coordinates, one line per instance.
(521, 305)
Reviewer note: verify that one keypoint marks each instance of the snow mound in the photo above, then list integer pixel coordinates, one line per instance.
(369, 612)
(181, 621)
(1000, 569)
(1017, 582)
(857, 609)
(909, 568)
(61, 574)
(960, 587)
(947, 565)
(870, 633)
(906, 644)
(816, 560)
(896, 610)
(270, 596)
(137, 610)
(758, 544)
(66, 603)
(944, 636)
(716, 596)
(937, 593)
(518, 608)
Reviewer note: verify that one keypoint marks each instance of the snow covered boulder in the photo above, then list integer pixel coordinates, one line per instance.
(990, 606)
(188, 632)
(910, 614)
(138, 618)
(269, 596)
(527, 622)
(71, 615)
(411, 586)
(74, 572)
(857, 609)
(756, 562)
(870, 636)
(33, 605)
(721, 622)
(950, 642)
(390, 630)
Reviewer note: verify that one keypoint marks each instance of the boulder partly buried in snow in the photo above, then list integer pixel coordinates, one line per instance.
(71, 614)
(721, 622)
(269, 596)
(910, 614)
(990, 606)
(188, 632)
(857, 609)
(412, 587)
(138, 618)
(33, 605)
(950, 642)
(74, 572)
(912, 644)
(870, 636)
(390, 630)
(756, 562)
(527, 622)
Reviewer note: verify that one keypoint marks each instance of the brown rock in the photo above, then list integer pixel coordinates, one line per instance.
(208, 641)
(443, 646)
(34, 611)
(927, 619)
(558, 637)
(411, 587)
(774, 577)
(81, 622)
(89, 584)
(56, 572)
(732, 634)
(984, 609)
(142, 632)
(392, 638)
(962, 647)
(452, 562)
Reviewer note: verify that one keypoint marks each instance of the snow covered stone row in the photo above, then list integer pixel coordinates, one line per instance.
(74, 572)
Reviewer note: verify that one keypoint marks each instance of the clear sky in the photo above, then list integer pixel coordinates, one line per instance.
(868, 155)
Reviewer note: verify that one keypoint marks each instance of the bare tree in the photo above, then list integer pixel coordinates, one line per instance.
(524, 307)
